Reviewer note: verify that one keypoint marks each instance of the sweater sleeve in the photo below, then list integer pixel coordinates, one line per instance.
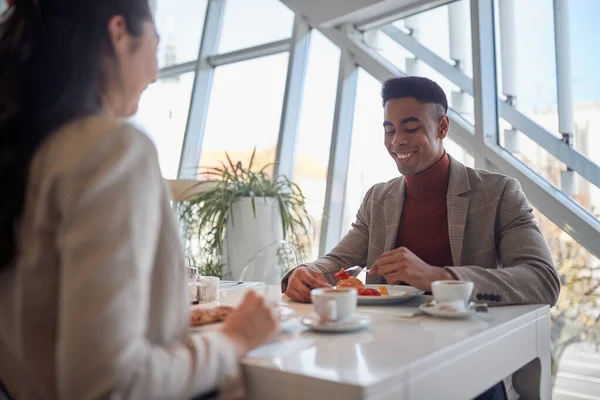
(110, 221)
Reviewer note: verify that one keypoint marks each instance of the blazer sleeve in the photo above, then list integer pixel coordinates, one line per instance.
(110, 221)
(350, 251)
(526, 274)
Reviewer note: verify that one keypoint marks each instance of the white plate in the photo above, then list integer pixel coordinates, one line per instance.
(397, 294)
(435, 312)
(355, 323)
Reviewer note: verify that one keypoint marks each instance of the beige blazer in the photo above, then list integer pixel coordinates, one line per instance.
(494, 239)
(95, 305)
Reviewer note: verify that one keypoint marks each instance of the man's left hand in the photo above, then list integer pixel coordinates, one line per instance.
(402, 265)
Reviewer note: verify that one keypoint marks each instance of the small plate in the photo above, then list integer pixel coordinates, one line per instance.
(355, 323)
(397, 294)
(431, 309)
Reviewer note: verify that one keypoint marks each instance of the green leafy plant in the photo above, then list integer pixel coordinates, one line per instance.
(205, 216)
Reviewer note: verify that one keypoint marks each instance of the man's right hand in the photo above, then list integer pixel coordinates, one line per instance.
(302, 281)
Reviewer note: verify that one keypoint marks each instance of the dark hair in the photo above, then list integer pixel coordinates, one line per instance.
(51, 54)
(424, 90)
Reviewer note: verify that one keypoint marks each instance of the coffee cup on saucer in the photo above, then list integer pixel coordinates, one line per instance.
(456, 294)
(334, 305)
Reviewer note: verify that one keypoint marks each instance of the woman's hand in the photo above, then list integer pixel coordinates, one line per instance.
(252, 323)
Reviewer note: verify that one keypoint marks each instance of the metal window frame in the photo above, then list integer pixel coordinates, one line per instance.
(485, 86)
(548, 141)
(249, 53)
(285, 156)
(339, 153)
(178, 69)
(201, 91)
(401, 12)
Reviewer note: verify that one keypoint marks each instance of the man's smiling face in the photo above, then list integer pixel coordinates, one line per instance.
(414, 133)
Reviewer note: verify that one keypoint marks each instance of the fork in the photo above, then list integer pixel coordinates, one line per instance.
(357, 268)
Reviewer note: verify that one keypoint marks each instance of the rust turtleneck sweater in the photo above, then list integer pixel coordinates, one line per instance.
(424, 224)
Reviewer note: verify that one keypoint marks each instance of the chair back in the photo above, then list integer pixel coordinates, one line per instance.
(271, 263)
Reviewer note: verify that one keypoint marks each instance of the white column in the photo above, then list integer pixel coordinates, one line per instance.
(460, 35)
(566, 125)
(508, 52)
(460, 52)
(508, 48)
(413, 64)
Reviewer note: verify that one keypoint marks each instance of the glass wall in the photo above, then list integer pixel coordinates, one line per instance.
(162, 115)
(179, 24)
(532, 58)
(245, 111)
(315, 128)
(250, 23)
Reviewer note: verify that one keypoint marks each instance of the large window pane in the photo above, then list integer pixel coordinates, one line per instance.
(369, 161)
(533, 58)
(575, 331)
(179, 24)
(245, 111)
(432, 29)
(535, 91)
(250, 23)
(162, 115)
(314, 131)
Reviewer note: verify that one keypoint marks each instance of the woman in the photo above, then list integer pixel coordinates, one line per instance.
(92, 281)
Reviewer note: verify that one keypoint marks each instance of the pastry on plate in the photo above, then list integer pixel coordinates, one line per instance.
(205, 316)
(345, 280)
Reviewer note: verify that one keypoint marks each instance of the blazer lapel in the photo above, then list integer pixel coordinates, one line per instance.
(458, 208)
(393, 212)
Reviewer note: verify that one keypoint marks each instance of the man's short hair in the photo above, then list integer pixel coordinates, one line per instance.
(422, 89)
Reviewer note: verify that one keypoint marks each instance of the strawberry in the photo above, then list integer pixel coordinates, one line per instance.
(368, 292)
(342, 275)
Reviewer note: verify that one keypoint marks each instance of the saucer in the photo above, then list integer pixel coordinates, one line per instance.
(433, 310)
(353, 324)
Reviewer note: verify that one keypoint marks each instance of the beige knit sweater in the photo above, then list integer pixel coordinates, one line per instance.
(95, 305)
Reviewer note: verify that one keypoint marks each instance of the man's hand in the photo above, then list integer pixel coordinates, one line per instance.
(401, 265)
(302, 281)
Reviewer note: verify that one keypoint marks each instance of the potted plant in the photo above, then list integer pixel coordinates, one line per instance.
(239, 213)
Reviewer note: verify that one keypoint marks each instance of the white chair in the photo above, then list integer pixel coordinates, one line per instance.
(271, 263)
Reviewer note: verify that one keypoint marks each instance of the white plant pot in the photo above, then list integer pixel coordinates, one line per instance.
(246, 234)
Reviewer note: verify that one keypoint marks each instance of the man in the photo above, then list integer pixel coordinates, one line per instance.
(440, 220)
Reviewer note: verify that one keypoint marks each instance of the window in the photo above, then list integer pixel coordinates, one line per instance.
(179, 24)
(431, 30)
(250, 23)
(536, 90)
(245, 111)
(162, 115)
(315, 127)
(370, 162)
(575, 334)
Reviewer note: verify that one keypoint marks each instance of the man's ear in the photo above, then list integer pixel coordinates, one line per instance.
(444, 126)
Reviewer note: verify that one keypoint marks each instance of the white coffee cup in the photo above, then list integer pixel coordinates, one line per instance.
(334, 305)
(452, 291)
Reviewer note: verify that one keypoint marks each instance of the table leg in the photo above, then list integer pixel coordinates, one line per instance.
(534, 380)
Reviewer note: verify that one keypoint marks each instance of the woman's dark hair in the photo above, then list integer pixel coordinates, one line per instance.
(51, 54)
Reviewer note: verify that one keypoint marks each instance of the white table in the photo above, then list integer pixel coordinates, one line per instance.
(398, 358)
